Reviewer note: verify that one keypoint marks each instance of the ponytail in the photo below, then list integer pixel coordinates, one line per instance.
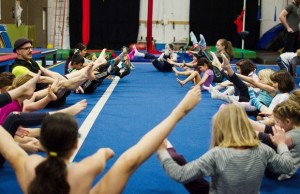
(50, 177)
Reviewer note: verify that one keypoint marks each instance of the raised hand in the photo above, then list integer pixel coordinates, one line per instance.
(278, 135)
(190, 100)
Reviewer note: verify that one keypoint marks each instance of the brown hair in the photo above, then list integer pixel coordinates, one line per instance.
(202, 61)
(284, 80)
(6, 79)
(228, 47)
(247, 66)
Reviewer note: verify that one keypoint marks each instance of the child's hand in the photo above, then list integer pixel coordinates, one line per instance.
(278, 135)
(21, 132)
(190, 100)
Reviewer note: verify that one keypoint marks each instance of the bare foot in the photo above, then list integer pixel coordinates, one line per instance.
(51, 96)
(215, 61)
(101, 59)
(89, 72)
(110, 77)
(180, 82)
(74, 109)
(29, 87)
(57, 86)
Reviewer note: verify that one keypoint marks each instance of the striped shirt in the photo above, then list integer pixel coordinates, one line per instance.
(232, 170)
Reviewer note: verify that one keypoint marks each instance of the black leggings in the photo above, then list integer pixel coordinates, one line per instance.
(197, 186)
(159, 65)
(241, 89)
(14, 120)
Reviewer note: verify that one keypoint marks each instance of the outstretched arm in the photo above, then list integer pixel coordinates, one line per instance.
(26, 89)
(15, 155)
(257, 84)
(115, 180)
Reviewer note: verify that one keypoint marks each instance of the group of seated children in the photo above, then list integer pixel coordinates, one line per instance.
(242, 150)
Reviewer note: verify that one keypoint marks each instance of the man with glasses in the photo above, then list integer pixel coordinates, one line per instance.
(24, 64)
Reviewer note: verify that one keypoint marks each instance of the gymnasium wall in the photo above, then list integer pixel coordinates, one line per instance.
(164, 12)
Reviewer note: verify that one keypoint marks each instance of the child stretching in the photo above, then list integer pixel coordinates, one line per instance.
(283, 84)
(25, 103)
(204, 67)
(266, 92)
(184, 65)
(287, 116)
(245, 67)
(160, 63)
(236, 159)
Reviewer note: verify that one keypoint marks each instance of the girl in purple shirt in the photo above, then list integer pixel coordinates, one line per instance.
(202, 75)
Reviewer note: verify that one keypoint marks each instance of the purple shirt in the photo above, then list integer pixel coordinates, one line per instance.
(210, 78)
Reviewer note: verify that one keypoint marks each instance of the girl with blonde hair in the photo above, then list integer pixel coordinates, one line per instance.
(266, 92)
(236, 159)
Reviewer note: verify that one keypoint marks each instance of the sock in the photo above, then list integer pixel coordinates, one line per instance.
(193, 38)
(233, 98)
(120, 65)
(215, 94)
(131, 54)
(218, 87)
(211, 88)
(167, 50)
(124, 49)
(202, 41)
(137, 53)
(229, 91)
(121, 55)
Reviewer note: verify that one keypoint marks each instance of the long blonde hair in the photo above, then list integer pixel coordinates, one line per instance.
(265, 75)
(231, 128)
(19, 80)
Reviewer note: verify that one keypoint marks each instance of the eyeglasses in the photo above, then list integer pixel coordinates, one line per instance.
(27, 48)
